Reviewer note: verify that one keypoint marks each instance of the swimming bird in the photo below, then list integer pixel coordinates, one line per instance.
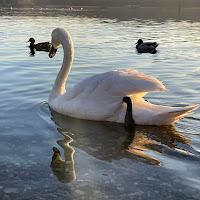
(43, 46)
(145, 47)
(128, 121)
(99, 97)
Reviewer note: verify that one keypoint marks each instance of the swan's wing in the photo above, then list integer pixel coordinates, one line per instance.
(128, 82)
(116, 83)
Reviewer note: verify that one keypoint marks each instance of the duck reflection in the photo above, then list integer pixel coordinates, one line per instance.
(63, 169)
(152, 51)
(32, 52)
(109, 141)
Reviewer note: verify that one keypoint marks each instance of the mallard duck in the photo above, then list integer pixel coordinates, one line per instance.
(43, 46)
(145, 47)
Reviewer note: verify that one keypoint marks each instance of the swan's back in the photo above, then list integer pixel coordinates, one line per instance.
(116, 83)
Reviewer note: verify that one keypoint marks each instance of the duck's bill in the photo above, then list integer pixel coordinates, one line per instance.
(52, 52)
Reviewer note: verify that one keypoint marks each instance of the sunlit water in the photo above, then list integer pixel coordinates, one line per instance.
(102, 160)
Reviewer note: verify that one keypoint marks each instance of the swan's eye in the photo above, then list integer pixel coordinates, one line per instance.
(52, 52)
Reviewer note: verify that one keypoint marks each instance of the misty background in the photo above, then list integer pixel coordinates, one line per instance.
(104, 3)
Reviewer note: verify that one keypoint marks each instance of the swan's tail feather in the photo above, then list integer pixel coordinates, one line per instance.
(181, 111)
(182, 116)
(178, 113)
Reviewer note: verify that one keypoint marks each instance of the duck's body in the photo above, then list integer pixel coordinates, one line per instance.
(99, 97)
(146, 46)
(42, 46)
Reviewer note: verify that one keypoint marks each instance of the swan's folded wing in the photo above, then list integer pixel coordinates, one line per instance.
(128, 82)
(115, 83)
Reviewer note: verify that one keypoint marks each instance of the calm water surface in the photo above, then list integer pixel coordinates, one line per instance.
(102, 160)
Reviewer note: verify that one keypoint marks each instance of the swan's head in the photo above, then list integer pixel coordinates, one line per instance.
(52, 52)
(60, 36)
(56, 153)
(127, 100)
(55, 42)
(56, 150)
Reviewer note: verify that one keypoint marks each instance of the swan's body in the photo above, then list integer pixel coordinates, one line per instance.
(99, 97)
(146, 47)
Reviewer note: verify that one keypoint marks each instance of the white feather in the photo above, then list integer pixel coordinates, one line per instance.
(99, 97)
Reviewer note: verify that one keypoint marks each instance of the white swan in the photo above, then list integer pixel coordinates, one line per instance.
(99, 97)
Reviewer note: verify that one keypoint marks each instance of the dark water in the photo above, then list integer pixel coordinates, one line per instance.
(102, 160)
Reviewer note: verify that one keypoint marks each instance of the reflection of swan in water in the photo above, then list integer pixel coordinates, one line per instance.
(147, 139)
(109, 141)
(63, 169)
(99, 97)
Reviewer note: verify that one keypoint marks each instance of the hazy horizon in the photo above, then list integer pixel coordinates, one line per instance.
(109, 3)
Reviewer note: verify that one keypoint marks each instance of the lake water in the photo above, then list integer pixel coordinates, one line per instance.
(102, 160)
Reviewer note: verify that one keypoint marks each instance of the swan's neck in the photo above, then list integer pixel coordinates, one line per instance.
(68, 49)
